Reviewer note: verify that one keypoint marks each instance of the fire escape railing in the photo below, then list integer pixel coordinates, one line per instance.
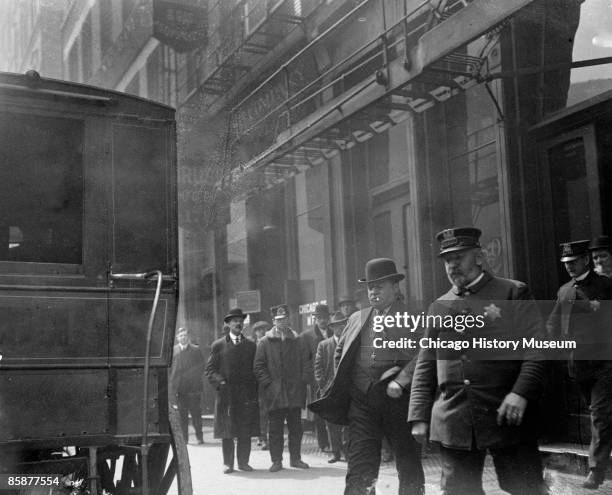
(417, 58)
(245, 32)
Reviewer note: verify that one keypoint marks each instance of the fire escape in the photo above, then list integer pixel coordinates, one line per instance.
(241, 34)
(417, 58)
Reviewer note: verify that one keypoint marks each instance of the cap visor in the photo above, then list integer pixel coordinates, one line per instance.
(456, 248)
(565, 259)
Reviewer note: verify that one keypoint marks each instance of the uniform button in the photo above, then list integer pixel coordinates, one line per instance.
(466, 382)
(464, 357)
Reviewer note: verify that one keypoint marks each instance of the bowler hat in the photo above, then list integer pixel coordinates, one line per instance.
(571, 251)
(234, 313)
(458, 239)
(601, 242)
(280, 311)
(321, 309)
(338, 319)
(379, 269)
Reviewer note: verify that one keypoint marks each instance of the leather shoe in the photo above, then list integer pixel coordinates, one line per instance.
(299, 464)
(200, 441)
(228, 469)
(334, 459)
(275, 467)
(245, 467)
(594, 479)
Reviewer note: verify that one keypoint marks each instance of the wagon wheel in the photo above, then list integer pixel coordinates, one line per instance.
(167, 461)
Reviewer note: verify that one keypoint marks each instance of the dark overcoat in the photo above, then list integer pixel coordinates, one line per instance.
(324, 363)
(473, 383)
(583, 312)
(283, 369)
(334, 404)
(187, 371)
(236, 403)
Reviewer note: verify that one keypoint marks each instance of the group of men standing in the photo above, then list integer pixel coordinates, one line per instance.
(469, 403)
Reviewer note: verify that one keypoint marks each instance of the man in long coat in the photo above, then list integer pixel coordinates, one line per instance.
(583, 313)
(486, 397)
(283, 369)
(324, 371)
(230, 371)
(370, 391)
(186, 384)
(312, 338)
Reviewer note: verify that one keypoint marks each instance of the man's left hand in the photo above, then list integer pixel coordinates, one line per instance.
(512, 409)
(394, 390)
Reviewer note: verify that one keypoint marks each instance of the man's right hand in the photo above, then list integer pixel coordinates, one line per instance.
(420, 432)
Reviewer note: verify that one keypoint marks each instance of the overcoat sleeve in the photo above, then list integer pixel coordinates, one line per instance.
(260, 365)
(319, 364)
(530, 381)
(213, 366)
(424, 380)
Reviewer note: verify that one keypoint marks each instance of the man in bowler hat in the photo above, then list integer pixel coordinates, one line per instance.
(583, 313)
(230, 371)
(601, 252)
(312, 338)
(370, 391)
(486, 399)
(186, 383)
(283, 369)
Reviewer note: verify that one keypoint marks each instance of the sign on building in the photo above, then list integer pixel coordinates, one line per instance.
(182, 25)
(249, 301)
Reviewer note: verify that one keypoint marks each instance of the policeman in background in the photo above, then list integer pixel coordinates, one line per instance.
(583, 313)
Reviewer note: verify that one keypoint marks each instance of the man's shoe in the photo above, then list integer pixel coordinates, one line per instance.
(594, 479)
(275, 467)
(200, 441)
(228, 469)
(334, 459)
(325, 449)
(299, 464)
(265, 446)
(245, 467)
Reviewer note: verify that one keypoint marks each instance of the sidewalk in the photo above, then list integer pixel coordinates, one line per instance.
(323, 478)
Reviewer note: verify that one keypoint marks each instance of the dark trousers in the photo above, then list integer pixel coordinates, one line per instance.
(372, 416)
(190, 404)
(276, 433)
(598, 395)
(518, 468)
(335, 438)
(321, 431)
(243, 451)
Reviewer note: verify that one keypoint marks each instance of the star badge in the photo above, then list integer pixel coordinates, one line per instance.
(492, 312)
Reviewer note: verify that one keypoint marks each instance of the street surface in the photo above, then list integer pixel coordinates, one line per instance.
(323, 478)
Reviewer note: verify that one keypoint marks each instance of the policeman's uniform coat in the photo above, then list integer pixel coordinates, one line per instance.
(583, 312)
(334, 404)
(236, 403)
(472, 385)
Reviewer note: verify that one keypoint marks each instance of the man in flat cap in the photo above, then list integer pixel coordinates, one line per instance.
(370, 391)
(312, 337)
(486, 400)
(582, 313)
(283, 369)
(230, 371)
(601, 252)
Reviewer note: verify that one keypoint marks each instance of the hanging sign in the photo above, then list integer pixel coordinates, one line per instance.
(182, 25)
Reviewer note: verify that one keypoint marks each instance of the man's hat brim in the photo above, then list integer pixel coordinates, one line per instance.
(395, 276)
(458, 248)
(229, 317)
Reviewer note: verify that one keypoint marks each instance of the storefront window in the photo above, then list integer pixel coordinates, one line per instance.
(475, 176)
(237, 274)
(593, 40)
(313, 236)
